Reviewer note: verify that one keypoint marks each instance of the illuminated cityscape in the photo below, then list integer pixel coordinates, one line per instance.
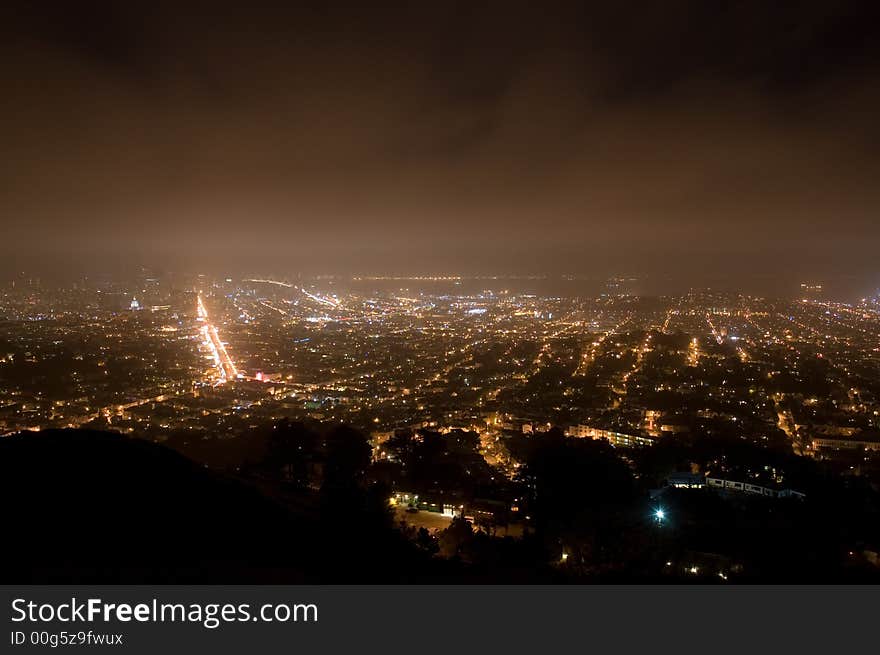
(477, 293)
(162, 358)
(200, 363)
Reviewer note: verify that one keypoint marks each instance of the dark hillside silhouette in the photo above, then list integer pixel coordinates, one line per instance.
(100, 507)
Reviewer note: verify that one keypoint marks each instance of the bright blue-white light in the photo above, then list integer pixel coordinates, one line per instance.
(660, 515)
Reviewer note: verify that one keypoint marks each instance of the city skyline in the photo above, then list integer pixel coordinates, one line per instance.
(185, 316)
(61, 272)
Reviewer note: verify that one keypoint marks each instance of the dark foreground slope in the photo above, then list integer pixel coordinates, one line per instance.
(84, 506)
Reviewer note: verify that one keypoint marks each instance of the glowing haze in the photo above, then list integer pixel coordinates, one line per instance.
(648, 137)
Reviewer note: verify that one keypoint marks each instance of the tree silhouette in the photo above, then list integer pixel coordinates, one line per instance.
(571, 479)
(346, 455)
(455, 538)
(290, 451)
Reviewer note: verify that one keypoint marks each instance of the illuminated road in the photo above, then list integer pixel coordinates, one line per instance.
(587, 358)
(118, 410)
(218, 350)
(330, 302)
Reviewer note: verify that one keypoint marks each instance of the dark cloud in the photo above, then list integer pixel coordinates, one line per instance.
(652, 135)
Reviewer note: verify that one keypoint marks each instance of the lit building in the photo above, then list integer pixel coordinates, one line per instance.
(617, 439)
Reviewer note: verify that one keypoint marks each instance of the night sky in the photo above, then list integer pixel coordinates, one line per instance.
(670, 137)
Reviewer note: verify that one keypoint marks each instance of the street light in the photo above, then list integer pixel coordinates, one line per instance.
(659, 514)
